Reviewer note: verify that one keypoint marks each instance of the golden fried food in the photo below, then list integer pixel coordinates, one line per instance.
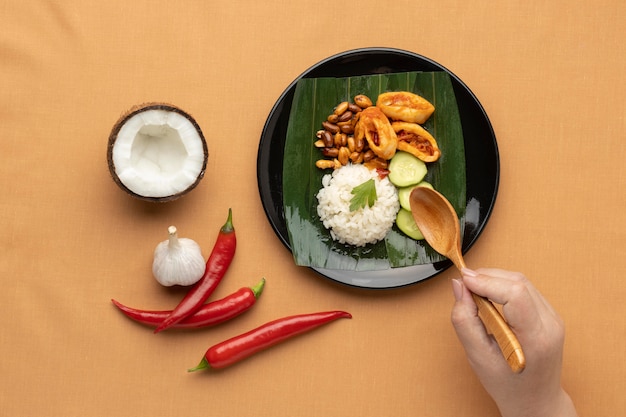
(416, 140)
(374, 126)
(405, 106)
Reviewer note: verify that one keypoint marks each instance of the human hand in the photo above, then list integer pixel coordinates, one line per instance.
(536, 391)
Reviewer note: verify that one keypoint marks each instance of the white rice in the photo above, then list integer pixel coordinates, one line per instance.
(362, 226)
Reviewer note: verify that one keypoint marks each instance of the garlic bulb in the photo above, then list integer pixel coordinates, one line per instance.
(177, 261)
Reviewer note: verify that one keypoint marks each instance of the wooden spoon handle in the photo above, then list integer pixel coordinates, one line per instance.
(500, 330)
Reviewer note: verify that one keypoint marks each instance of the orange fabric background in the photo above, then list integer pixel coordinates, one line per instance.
(549, 74)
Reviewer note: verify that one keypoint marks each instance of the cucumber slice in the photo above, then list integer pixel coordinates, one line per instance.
(407, 225)
(405, 192)
(406, 169)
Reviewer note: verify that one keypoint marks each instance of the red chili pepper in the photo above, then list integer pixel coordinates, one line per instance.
(216, 266)
(269, 334)
(210, 314)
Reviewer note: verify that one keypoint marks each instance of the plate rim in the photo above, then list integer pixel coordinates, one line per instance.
(372, 279)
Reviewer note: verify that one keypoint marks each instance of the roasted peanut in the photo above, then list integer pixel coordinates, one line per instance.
(327, 163)
(341, 139)
(327, 138)
(368, 155)
(319, 143)
(346, 127)
(345, 116)
(331, 127)
(354, 108)
(330, 152)
(351, 144)
(341, 108)
(332, 118)
(344, 155)
(363, 101)
(356, 157)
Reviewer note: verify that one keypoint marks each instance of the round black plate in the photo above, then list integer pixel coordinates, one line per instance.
(481, 154)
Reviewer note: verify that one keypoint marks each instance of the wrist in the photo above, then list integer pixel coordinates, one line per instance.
(560, 405)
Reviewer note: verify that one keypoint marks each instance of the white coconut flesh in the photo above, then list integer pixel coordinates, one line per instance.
(158, 153)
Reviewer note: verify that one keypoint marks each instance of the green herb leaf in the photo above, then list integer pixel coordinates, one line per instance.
(364, 194)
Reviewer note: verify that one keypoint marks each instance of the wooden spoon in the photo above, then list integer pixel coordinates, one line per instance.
(438, 222)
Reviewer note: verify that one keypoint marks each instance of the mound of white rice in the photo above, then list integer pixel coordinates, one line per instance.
(362, 226)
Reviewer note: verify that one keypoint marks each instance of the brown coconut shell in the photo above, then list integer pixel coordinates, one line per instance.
(113, 138)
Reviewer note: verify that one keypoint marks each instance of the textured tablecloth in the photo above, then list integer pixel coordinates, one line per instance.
(550, 76)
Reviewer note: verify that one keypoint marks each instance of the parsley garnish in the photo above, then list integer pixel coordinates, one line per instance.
(363, 194)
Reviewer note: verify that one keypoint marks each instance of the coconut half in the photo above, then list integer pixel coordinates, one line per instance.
(157, 152)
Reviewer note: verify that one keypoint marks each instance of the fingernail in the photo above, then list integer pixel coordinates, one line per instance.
(469, 272)
(457, 289)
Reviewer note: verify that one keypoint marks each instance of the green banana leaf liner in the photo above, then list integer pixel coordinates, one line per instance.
(314, 99)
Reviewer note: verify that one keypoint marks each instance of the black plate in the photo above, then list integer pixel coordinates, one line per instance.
(481, 154)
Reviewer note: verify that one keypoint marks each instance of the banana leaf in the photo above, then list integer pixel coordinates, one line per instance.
(314, 99)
